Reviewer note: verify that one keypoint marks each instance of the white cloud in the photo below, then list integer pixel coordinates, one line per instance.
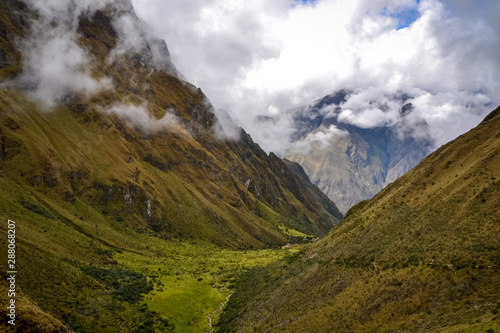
(57, 66)
(139, 117)
(322, 137)
(264, 57)
(225, 128)
(256, 57)
(54, 64)
(370, 107)
(275, 131)
(131, 35)
(63, 12)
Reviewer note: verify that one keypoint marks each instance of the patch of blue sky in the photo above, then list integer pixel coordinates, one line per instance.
(305, 2)
(404, 18)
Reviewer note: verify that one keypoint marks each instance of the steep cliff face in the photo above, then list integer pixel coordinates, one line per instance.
(101, 145)
(419, 256)
(347, 162)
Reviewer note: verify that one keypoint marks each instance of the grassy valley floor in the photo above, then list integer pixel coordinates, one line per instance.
(86, 272)
(192, 280)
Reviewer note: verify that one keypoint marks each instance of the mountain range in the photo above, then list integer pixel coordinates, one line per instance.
(135, 213)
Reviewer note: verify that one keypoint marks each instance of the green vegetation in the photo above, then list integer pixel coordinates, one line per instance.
(36, 209)
(84, 225)
(293, 232)
(128, 286)
(422, 255)
(123, 228)
(105, 280)
(191, 280)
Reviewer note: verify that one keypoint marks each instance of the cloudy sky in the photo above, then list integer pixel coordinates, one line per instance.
(264, 57)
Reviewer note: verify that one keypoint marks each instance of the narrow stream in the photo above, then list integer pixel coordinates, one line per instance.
(222, 305)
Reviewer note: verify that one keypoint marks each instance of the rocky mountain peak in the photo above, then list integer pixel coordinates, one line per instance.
(351, 163)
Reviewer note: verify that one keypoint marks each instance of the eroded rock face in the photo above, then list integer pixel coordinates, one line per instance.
(355, 163)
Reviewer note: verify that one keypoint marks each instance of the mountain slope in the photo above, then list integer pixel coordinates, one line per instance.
(422, 255)
(105, 153)
(141, 137)
(347, 162)
(317, 194)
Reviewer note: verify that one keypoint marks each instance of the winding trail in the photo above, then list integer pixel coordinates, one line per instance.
(222, 305)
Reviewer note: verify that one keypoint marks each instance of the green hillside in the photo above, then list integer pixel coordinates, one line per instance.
(422, 255)
(124, 218)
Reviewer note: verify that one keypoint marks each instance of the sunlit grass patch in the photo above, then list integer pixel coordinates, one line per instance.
(192, 280)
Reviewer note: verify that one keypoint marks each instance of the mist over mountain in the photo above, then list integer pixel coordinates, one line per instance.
(351, 162)
(98, 58)
(268, 57)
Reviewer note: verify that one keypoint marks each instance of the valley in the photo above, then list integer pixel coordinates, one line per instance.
(131, 213)
(192, 281)
(422, 255)
(170, 285)
(135, 211)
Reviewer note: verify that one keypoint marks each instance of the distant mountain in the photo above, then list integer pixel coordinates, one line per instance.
(422, 255)
(350, 163)
(101, 142)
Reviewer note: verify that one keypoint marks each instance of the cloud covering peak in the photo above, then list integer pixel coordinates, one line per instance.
(58, 65)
